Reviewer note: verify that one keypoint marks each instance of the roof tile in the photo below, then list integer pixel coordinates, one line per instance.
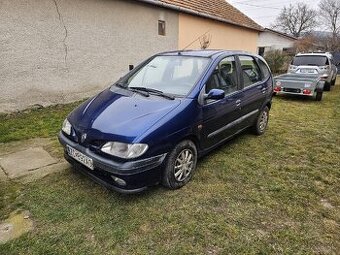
(220, 9)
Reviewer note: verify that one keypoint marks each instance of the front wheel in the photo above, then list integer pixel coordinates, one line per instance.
(261, 122)
(180, 165)
(318, 96)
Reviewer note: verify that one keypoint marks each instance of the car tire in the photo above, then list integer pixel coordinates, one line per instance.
(261, 122)
(318, 96)
(327, 86)
(180, 165)
(334, 81)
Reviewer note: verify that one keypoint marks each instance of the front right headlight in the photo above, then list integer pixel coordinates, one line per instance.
(67, 127)
(125, 150)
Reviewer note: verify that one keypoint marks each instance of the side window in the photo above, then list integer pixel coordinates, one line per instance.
(224, 76)
(264, 69)
(250, 71)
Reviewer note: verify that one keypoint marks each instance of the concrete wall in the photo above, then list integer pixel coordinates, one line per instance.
(223, 35)
(273, 41)
(58, 51)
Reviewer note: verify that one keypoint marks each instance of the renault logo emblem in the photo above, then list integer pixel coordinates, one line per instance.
(83, 137)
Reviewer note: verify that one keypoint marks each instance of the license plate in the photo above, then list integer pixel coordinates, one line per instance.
(80, 157)
(308, 71)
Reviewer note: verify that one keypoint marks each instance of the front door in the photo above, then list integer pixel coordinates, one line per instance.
(220, 116)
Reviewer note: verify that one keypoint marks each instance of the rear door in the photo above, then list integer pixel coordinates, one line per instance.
(255, 88)
(220, 116)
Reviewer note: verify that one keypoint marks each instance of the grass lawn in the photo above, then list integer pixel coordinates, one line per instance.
(274, 194)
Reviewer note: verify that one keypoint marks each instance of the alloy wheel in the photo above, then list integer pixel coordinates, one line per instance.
(184, 165)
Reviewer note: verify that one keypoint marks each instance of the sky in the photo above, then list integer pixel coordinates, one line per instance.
(264, 12)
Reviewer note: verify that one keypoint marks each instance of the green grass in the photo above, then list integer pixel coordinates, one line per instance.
(43, 122)
(274, 194)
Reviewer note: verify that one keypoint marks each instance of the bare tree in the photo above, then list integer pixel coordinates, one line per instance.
(330, 17)
(296, 19)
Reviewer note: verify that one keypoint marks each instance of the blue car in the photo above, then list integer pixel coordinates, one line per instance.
(153, 124)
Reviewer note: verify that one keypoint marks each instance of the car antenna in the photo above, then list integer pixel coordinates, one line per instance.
(179, 53)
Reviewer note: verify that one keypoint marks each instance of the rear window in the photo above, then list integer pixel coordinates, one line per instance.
(310, 61)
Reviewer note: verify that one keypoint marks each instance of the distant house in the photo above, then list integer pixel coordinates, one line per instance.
(273, 40)
(58, 51)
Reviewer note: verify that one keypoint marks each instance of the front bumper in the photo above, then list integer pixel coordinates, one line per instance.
(138, 174)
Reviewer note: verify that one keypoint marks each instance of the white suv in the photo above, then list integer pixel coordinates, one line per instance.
(321, 63)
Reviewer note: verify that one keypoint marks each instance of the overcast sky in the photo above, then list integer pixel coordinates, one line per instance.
(264, 12)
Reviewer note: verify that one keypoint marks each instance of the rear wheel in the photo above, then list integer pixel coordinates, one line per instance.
(261, 122)
(327, 86)
(318, 96)
(180, 165)
(334, 81)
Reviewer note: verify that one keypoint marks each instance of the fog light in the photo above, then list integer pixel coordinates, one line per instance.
(118, 181)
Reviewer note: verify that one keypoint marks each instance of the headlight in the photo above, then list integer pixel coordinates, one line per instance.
(67, 127)
(124, 150)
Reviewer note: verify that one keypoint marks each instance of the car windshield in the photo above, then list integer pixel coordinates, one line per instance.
(310, 61)
(175, 75)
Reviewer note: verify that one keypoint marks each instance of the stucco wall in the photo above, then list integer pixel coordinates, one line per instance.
(274, 41)
(57, 51)
(223, 36)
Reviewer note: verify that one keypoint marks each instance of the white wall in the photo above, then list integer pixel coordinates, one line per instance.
(40, 64)
(273, 41)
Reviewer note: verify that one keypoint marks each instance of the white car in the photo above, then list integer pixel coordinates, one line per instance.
(320, 63)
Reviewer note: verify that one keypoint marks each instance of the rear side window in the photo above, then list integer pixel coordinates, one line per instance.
(310, 61)
(250, 71)
(264, 69)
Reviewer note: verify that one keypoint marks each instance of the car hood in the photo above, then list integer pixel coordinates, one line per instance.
(120, 115)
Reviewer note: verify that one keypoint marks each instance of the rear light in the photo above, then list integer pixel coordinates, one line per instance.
(307, 92)
(277, 89)
(324, 68)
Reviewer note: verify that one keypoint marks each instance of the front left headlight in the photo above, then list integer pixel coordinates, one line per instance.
(125, 150)
(67, 127)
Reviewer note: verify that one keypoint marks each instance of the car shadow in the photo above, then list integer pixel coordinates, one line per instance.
(291, 98)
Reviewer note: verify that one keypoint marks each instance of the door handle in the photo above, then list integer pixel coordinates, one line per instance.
(238, 103)
(264, 90)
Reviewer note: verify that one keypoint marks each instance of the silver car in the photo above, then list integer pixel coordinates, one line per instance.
(320, 63)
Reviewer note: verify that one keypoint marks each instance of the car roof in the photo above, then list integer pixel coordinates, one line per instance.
(203, 53)
(323, 54)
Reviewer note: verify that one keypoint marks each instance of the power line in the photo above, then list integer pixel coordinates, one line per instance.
(261, 6)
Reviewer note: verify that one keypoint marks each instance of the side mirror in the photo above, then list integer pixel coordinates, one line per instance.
(131, 67)
(215, 94)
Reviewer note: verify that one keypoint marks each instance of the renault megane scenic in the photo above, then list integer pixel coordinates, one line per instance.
(153, 124)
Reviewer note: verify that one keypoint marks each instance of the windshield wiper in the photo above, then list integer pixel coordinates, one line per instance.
(143, 93)
(121, 85)
(154, 92)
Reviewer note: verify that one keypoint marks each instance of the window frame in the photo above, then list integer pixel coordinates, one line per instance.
(263, 77)
(217, 65)
(161, 27)
(241, 75)
(201, 99)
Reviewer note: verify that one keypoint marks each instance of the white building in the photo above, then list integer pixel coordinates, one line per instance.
(273, 40)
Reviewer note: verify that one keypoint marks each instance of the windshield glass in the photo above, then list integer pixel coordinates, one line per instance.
(310, 61)
(174, 75)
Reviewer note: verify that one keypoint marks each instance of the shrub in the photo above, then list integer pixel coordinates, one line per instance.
(277, 60)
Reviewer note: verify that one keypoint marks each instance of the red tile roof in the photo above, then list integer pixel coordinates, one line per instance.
(214, 9)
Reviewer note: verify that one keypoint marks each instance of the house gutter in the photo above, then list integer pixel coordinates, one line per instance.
(196, 13)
